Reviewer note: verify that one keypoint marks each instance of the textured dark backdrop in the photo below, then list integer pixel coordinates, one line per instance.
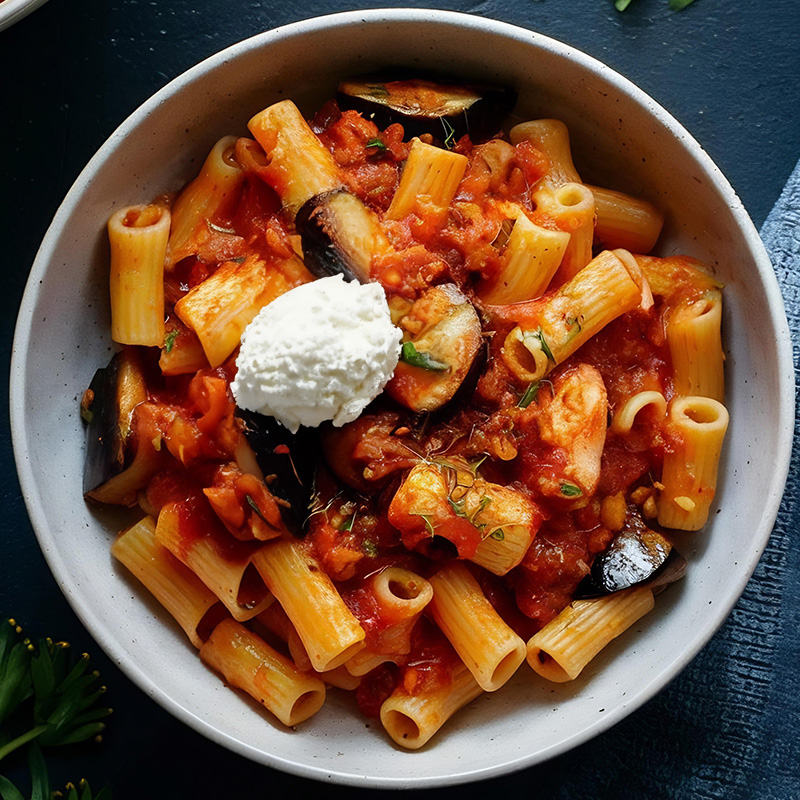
(729, 70)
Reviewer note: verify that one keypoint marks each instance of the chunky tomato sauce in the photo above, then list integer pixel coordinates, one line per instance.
(405, 485)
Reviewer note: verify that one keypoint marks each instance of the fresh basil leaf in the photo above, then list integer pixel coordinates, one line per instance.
(169, 339)
(411, 356)
(570, 490)
(377, 144)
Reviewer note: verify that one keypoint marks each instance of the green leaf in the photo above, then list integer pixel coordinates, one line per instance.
(545, 347)
(40, 782)
(411, 356)
(530, 395)
(377, 144)
(621, 5)
(370, 548)
(679, 5)
(252, 503)
(169, 339)
(428, 524)
(348, 525)
(570, 490)
(8, 791)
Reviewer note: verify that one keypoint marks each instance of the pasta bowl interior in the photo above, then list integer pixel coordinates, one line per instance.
(621, 139)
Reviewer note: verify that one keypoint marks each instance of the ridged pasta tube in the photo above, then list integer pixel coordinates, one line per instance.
(561, 650)
(138, 237)
(177, 588)
(412, 719)
(247, 662)
(480, 636)
(327, 628)
(697, 426)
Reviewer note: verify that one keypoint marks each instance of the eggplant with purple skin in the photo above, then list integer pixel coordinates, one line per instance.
(443, 341)
(445, 110)
(340, 236)
(107, 408)
(637, 556)
(289, 463)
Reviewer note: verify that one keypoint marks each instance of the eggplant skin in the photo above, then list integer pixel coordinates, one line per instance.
(289, 463)
(429, 106)
(335, 232)
(637, 556)
(451, 336)
(107, 407)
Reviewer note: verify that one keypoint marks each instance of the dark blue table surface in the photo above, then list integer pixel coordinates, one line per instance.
(729, 70)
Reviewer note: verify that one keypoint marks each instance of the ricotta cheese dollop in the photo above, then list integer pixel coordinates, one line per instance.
(322, 351)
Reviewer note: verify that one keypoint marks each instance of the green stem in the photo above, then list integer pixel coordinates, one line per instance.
(21, 740)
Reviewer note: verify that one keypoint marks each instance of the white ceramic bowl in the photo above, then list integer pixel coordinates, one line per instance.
(622, 138)
(12, 11)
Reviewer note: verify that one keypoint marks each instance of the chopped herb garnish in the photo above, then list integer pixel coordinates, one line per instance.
(376, 143)
(348, 525)
(621, 5)
(570, 490)
(252, 503)
(370, 548)
(450, 133)
(545, 347)
(220, 229)
(428, 524)
(169, 339)
(531, 394)
(411, 356)
(498, 534)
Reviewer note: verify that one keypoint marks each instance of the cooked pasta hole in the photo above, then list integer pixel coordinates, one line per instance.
(506, 668)
(307, 704)
(403, 725)
(405, 590)
(229, 156)
(344, 656)
(572, 194)
(142, 216)
(252, 589)
(210, 620)
(701, 413)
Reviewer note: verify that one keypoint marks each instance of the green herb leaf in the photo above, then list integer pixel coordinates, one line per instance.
(348, 525)
(428, 524)
(411, 356)
(370, 548)
(376, 143)
(169, 339)
(531, 394)
(252, 503)
(621, 5)
(570, 490)
(450, 133)
(545, 347)
(8, 791)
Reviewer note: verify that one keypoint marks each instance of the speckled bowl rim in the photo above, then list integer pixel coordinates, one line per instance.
(777, 322)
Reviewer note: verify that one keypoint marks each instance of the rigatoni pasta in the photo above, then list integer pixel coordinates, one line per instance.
(555, 411)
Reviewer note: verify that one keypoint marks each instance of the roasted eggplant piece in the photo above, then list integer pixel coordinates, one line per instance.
(289, 463)
(340, 236)
(107, 408)
(636, 556)
(442, 339)
(447, 111)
